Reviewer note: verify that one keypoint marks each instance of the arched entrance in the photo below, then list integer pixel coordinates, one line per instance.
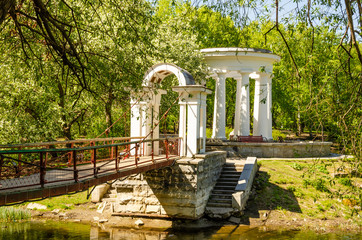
(192, 102)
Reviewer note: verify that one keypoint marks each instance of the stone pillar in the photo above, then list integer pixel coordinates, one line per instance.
(262, 107)
(218, 128)
(242, 106)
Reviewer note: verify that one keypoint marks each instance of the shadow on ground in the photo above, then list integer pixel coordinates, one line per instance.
(268, 196)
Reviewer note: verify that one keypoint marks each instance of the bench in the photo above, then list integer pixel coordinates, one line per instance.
(249, 138)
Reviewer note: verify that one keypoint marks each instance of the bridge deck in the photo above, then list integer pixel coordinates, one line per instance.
(58, 182)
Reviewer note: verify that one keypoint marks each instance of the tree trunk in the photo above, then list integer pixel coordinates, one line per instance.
(66, 129)
(5, 8)
(108, 109)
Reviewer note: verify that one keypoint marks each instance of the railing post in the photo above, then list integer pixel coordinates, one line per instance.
(136, 154)
(178, 146)
(112, 150)
(42, 170)
(116, 159)
(1, 164)
(75, 166)
(46, 157)
(94, 154)
(152, 153)
(19, 164)
(166, 148)
(70, 156)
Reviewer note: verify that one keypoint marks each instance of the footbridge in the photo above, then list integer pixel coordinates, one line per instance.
(41, 170)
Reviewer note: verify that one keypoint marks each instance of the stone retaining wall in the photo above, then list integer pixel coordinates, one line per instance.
(273, 150)
(180, 191)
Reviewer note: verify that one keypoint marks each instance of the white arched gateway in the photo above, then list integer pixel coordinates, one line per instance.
(145, 113)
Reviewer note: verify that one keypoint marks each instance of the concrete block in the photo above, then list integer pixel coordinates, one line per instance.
(99, 191)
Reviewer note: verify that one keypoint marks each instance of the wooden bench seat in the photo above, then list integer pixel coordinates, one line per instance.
(249, 139)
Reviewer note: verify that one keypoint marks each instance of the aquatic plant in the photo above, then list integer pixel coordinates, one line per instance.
(12, 214)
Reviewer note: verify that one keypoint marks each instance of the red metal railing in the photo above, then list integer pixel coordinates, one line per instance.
(49, 163)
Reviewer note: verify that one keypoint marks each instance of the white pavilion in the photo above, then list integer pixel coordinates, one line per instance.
(242, 64)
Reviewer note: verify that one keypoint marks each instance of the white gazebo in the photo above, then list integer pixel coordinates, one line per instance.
(192, 102)
(242, 64)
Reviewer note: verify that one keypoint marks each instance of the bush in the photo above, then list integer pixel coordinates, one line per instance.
(278, 135)
(345, 181)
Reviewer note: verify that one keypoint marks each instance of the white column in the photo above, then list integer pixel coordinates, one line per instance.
(262, 107)
(193, 125)
(146, 113)
(192, 102)
(218, 129)
(269, 130)
(136, 121)
(156, 118)
(203, 123)
(182, 127)
(242, 106)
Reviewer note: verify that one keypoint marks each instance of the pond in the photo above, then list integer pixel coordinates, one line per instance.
(64, 230)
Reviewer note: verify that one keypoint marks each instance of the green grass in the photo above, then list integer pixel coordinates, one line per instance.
(13, 214)
(308, 189)
(65, 201)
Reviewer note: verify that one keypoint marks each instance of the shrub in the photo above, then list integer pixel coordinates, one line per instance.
(278, 135)
(297, 166)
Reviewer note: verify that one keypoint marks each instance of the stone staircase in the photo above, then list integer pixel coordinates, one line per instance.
(111, 195)
(220, 201)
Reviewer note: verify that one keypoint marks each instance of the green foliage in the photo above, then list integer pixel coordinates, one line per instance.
(13, 214)
(228, 130)
(297, 166)
(49, 93)
(278, 135)
(345, 182)
(208, 132)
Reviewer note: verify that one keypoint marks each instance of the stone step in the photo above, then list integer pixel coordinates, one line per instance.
(224, 187)
(219, 200)
(228, 164)
(226, 183)
(233, 168)
(110, 195)
(223, 191)
(226, 179)
(223, 205)
(112, 191)
(230, 172)
(109, 199)
(225, 195)
(231, 176)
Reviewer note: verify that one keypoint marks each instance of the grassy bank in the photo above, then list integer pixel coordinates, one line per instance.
(64, 202)
(295, 191)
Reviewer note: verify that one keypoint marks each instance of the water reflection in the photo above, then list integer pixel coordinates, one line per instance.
(62, 230)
